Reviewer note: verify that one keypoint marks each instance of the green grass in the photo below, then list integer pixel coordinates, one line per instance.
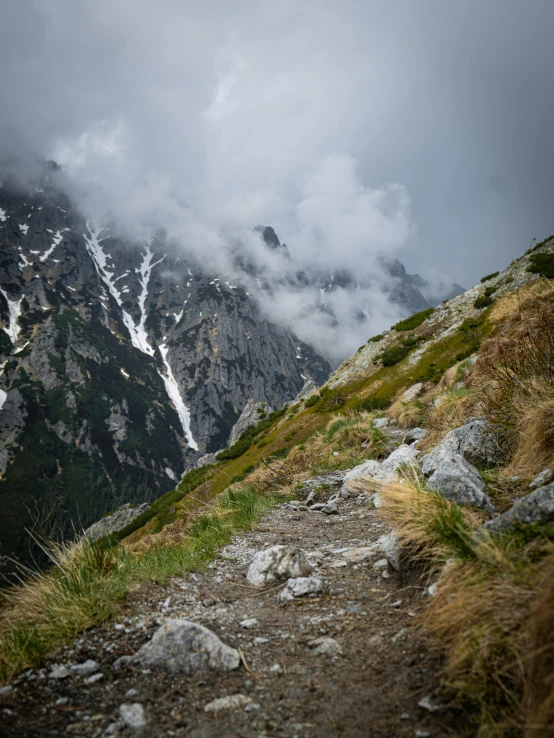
(414, 321)
(249, 435)
(482, 302)
(88, 580)
(395, 354)
(492, 275)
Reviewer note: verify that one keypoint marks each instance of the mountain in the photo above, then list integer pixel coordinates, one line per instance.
(121, 363)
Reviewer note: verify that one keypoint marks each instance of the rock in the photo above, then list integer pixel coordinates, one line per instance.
(231, 702)
(429, 704)
(94, 678)
(536, 507)
(133, 715)
(85, 669)
(420, 733)
(252, 414)
(412, 392)
(457, 480)
(356, 555)
(330, 509)
(207, 459)
(389, 544)
(362, 471)
(131, 693)
(318, 506)
(249, 623)
(260, 640)
(62, 701)
(381, 564)
(276, 563)
(302, 587)
(183, 647)
(326, 647)
(545, 477)
(121, 662)
(415, 434)
(475, 441)
(380, 422)
(403, 456)
(116, 521)
(7, 689)
(276, 669)
(59, 672)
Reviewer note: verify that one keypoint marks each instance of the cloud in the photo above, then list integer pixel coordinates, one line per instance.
(343, 125)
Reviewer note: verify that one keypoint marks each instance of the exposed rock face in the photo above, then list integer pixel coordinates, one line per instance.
(457, 480)
(252, 414)
(120, 364)
(475, 441)
(536, 507)
(116, 521)
(182, 647)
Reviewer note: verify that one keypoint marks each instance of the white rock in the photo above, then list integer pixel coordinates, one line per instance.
(133, 715)
(249, 623)
(183, 647)
(276, 563)
(276, 669)
(403, 456)
(326, 647)
(231, 702)
(429, 704)
(411, 393)
(356, 555)
(389, 544)
(380, 422)
(381, 564)
(85, 669)
(302, 587)
(59, 672)
(94, 678)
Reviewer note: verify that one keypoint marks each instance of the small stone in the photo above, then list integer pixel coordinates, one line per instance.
(330, 509)
(260, 640)
(231, 702)
(326, 647)
(276, 669)
(112, 729)
(59, 672)
(94, 678)
(302, 587)
(8, 712)
(62, 700)
(335, 453)
(249, 623)
(121, 662)
(380, 422)
(545, 477)
(252, 707)
(381, 564)
(119, 626)
(6, 690)
(405, 716)
(133, 715)
(131, 693)
(429, 704)
(419, 733)
(85, 669)
(357, 555)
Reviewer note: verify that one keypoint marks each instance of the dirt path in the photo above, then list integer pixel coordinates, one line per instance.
(372, 688)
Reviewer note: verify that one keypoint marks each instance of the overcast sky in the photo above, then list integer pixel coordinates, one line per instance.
(420, 127)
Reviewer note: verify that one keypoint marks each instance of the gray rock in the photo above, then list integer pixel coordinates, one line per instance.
(536, 507)
(389, 544)
(357, 555)
(429, 703)
(330, 509)
(380, 422)
(318, 506)
(303, 587)
(231, 702)
(249, 623)
(475, 441)
(362, 471)
(250, 416)
(207, 459)
(133, 715)
(403, 456)
(415, 434)
(85, 669)
(7, 689)
(183, 647)
(121, 662)
(326, 647)
(545, 477)
(276, 563)
(457, 480)
(94, 678)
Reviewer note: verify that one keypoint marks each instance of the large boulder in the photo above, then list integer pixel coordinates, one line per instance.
(252, 414)
(362, 471)
(536, 507)
(183, 647)
(475, 441)
(276, 563)
(457, 480)
(382, 472)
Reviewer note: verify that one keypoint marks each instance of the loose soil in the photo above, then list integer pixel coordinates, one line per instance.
(372, 690)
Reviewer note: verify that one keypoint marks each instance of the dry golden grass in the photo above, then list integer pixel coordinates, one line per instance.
(515, 377)
(407, 414)
(453, 408)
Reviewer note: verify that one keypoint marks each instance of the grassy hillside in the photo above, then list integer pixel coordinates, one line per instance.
(488, 352)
